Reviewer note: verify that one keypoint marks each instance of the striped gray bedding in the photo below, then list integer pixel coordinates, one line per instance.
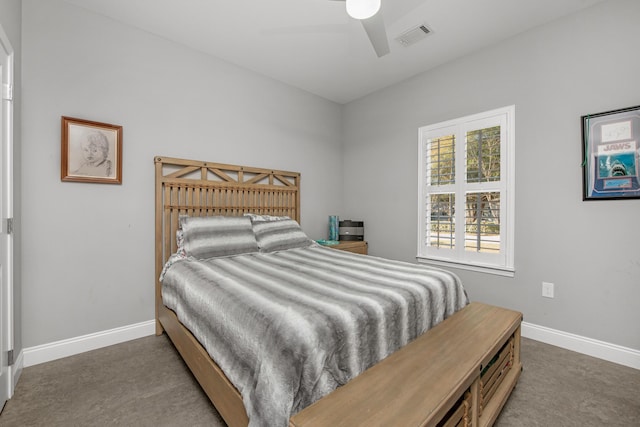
(289, 327)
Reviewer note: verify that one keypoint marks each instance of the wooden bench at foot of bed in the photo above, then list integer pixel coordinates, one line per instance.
(460, 373)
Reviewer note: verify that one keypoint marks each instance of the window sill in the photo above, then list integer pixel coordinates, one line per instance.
(480, 268)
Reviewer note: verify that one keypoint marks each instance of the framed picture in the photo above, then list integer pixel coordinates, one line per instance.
(91, 151)
(611, 154)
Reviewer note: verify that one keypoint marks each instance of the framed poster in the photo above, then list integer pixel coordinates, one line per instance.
(611, 155)
(91, 151)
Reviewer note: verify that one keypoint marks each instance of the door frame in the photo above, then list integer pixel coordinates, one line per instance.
(7, 206)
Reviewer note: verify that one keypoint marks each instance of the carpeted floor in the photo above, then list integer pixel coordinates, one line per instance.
(145, 383)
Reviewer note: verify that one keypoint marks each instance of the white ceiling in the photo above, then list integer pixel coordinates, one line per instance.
(315, 46)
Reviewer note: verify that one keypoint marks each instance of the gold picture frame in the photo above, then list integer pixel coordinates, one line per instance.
(91, 151)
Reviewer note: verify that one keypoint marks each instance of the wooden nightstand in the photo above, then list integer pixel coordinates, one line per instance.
(352, 246)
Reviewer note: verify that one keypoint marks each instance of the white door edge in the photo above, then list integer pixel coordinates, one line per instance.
(6, 334)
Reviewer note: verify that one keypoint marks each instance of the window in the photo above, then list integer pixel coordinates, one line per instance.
(466, 200)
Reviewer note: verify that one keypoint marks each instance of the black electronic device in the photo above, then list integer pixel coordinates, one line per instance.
(351, 230)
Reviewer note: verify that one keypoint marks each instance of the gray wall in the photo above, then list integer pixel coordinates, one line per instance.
(11, 21)
(582, 64)
(88, 248)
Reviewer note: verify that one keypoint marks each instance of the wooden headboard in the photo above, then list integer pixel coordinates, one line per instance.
(196, 188)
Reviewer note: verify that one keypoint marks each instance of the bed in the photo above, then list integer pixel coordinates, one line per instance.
(191, 193)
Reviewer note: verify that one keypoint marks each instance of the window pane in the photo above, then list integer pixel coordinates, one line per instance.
(441, 225)
(482, 222)
(483, 155)
(441, 162)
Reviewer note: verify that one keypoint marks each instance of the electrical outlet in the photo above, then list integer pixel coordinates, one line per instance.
(547, 289)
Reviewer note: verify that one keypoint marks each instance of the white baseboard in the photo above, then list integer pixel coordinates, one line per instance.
(69, 347)
(56, 350)
(600, 349)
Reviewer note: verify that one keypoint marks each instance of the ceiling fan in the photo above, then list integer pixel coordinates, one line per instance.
(368, 13)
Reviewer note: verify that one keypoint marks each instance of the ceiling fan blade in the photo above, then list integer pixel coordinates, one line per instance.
(374, 27)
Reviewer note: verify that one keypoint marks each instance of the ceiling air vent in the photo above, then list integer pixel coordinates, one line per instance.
(414, 35)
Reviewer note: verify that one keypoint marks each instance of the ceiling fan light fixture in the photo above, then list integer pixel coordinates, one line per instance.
(362, 9)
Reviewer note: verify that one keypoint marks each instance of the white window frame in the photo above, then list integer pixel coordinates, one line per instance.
(501, 263)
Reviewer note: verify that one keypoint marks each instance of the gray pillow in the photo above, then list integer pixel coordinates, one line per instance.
(256, 217)
(215, 236)
(280, 235)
